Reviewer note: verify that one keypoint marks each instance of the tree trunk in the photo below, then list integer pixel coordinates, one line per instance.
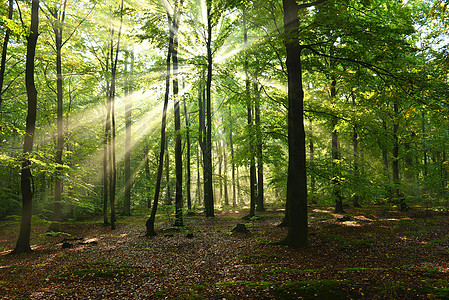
(59, 17)
(188, 170)
(147, 171)
(208, 188)
(225, 177)
(397, 194)
(336, 157)
(252, 166)
(5, 51)
(23, 241)
(168, 200)
(312, 161)
(231, 145)
(260, 189)
(423, 116)
(177, 115)
(355, 144)
(150, 222)
(128, 123)
(297, 235)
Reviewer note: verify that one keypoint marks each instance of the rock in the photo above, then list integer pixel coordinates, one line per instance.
(240, 228)
(54, 227)
(66, 245)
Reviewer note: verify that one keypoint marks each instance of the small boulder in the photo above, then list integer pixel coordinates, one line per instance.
(240, 228)
(66, 245)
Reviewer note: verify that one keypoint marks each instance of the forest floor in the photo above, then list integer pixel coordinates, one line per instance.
(379, 253)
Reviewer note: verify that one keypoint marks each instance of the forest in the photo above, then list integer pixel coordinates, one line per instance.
(224, 149)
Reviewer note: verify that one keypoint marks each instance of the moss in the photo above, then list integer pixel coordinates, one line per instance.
(312, 289)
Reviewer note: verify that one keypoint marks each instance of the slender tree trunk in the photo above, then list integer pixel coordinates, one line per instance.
(150, 222)
(397, 194)
(423, 116)
(297, 235)
(168, 200)
(5, 51)
(220, 169)
(23, 241)
(225, 177)
(128, 123)
(252, 167)
(312, 161)
(147, 171)
(208, 187)
(188, 169)
(335, 157)
(260, 188)
(231, 145)
(59, 17)
(355, 144)
(178, 150)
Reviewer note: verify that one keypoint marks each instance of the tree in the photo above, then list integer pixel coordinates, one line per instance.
(178, 150)
(5, 51)
(150, 222)
(23, 241)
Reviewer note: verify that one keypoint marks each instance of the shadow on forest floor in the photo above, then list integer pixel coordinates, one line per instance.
(375, 253)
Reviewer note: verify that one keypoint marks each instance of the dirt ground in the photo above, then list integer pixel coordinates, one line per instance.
(379, 253)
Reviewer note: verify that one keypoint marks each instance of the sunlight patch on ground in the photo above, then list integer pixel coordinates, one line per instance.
(321, 211)
(363, 218)
(351, 224)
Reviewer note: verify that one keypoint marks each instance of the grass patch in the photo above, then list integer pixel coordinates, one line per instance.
(290, 271)
(254, 256)
(311, 289)
(361, 269)
(158, 294)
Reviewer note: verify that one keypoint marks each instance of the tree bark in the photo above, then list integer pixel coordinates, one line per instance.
(59, 17)
(188, 170)
(5, 51)
(260, 188)
(231, 145)
(208, 187)
(355, 144)
(177, 115)
(336, 157)
(23, 241)
(297, 235)
(397, 194)
(128, 123)
(150, 222)
(252, 165)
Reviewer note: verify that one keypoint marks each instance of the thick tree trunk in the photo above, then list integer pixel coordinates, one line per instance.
(23, 241)
(5, 52)
(208, 187)
(297, 235)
